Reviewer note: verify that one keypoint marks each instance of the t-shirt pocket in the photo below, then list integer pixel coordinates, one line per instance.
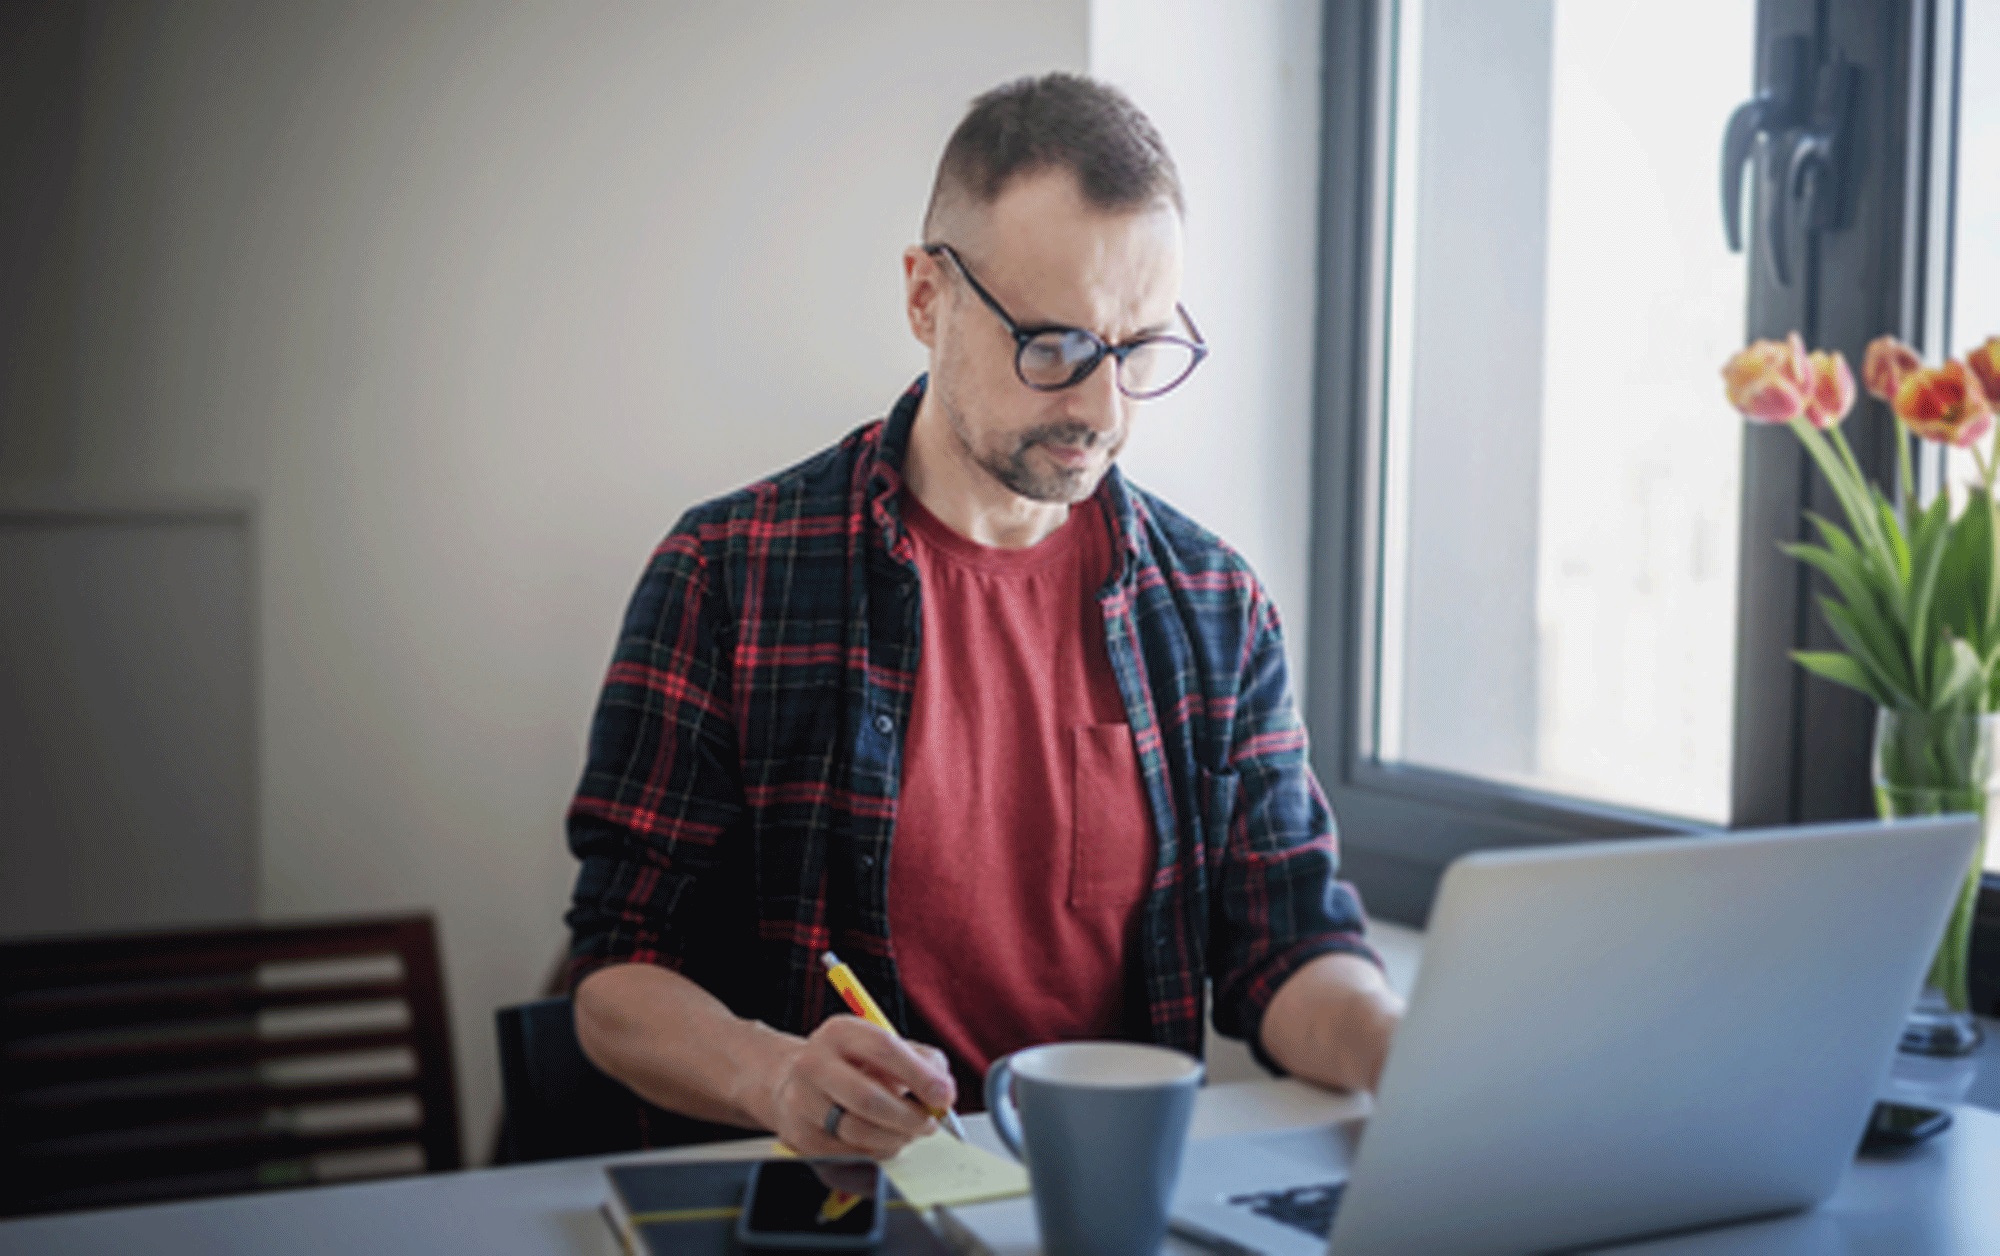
(1111, 834)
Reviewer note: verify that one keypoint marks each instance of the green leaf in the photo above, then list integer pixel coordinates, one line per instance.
(1879, 573)
(1893, 532)
(1959, 675)
(1882, 635)
(1844, 478)
(1841, 670)
(1933, 530)
(1848, 576)
(1882, 668)
(1965, 577)
(1879, 576)
(1992, 513)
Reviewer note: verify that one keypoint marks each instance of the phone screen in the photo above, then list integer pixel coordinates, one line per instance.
(830, 1199)
(1902, 1120)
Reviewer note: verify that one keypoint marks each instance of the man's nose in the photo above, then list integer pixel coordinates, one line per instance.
(1095, 401)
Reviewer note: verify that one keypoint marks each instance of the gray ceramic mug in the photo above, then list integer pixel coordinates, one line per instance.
(1100, 1126)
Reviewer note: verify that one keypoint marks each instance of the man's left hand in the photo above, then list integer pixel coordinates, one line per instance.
(1331, 1022)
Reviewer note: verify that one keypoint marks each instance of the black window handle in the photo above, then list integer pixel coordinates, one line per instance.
(1811, 192)
(1780, 106)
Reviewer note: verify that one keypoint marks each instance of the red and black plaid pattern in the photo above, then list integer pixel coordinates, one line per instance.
(737, 810)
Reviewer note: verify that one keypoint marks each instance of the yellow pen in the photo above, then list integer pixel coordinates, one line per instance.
(863, 1005)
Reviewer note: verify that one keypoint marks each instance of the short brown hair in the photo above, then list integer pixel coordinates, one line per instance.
(1060, 120)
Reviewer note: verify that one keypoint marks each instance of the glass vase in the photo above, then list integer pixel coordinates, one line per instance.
(1940, 764)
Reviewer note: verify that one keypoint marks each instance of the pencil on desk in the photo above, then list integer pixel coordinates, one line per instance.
(862, 1004)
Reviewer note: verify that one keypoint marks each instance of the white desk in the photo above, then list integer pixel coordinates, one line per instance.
(1943, 1198)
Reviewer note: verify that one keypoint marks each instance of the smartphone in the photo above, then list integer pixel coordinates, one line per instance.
(1898, 1125)
(813, 1205)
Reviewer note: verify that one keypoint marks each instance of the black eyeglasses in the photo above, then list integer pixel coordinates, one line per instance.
(1049, 357)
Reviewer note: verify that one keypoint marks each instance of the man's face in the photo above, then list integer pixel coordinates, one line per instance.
(1048, 257)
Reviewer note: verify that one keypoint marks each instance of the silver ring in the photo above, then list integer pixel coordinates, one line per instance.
(832, 1123)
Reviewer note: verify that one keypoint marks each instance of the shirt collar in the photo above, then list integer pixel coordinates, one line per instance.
(885, 485)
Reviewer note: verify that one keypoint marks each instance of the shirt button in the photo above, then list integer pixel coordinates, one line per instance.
(867, 862)
(884, 725)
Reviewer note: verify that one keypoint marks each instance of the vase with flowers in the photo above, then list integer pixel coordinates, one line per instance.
(1915, 601)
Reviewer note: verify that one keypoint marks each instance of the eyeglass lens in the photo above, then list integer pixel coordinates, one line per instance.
(1057, 359)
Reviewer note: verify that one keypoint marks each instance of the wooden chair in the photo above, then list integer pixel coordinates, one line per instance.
(559, 1104)
(151, 1066)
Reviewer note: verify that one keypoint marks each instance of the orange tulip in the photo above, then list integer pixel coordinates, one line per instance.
(1944, 404)
(1831, 393)
(1886, 365)
(1984, 363)
(1769, 380)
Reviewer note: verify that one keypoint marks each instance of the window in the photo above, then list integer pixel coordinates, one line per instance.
(1560, 476)
(1975, 254)
(1548, 600)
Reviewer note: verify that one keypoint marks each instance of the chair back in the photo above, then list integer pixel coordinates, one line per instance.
(150, 1066)
(559, 1104)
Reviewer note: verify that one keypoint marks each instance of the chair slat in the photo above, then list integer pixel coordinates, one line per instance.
(165, 1065)
(274, 1074)
(37, 1123)
(274, 1174)
(43, 1177)
(73, 1067)
(25, 1017)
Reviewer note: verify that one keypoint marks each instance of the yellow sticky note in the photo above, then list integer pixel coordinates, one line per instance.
(941, 1170)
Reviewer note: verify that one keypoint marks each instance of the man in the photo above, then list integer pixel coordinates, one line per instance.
(951, 698)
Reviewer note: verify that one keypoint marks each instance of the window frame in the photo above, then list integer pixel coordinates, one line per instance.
(1801, 748)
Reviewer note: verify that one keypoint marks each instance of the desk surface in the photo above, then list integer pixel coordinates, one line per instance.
(1942, 1198)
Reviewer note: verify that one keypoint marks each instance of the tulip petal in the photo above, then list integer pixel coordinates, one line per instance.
(1888, 362)
(1831, 393)
(1984, 363)
(1767, 380)
(1944, 404)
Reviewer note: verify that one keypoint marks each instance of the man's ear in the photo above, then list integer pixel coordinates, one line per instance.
(923, 293)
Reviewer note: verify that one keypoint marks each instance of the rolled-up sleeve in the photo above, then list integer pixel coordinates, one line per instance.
(1281, 903)
(661, 788)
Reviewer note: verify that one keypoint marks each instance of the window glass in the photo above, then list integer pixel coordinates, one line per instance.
(1975, 286)
(1559, 471)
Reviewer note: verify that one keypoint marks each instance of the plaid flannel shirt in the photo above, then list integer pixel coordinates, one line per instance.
(737, 812)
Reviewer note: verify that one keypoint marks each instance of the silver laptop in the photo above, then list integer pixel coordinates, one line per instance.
(1615, 1040)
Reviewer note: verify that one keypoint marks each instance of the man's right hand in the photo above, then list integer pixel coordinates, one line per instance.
(871, 1074)
(678, 1046)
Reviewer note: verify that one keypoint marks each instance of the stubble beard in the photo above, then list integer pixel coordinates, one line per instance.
(1059, 485)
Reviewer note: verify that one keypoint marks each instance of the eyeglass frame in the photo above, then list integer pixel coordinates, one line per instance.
(1102, 348)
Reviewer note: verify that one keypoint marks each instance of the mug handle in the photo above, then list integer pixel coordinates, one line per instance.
(1000, 1105)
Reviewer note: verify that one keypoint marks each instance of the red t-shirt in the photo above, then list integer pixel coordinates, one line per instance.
(1023, 843)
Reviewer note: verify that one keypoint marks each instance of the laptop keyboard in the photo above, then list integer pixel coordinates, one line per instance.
(1308, 1208)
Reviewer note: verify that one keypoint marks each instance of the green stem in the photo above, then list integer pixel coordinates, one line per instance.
(1938, 765)
(1906, 480)
(1848, 484)
(1839, 441)
(1992, 624)
(1950, 967)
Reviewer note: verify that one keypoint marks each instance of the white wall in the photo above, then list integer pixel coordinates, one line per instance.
(475, 299)
(1235, 91)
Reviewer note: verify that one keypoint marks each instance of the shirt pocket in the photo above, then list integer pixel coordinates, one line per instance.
(1111, 831)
